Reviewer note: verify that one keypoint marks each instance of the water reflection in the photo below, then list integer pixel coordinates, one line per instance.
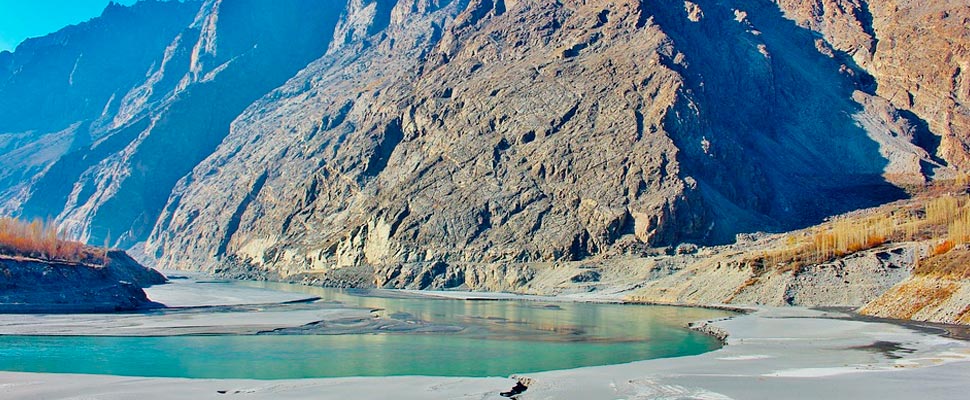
(490, 338)
(520, 319)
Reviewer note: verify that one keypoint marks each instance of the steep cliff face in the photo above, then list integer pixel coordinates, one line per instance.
(438, 142)
(154, 131)
(453, 134)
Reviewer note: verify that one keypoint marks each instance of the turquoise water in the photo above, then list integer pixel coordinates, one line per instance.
(492, 338)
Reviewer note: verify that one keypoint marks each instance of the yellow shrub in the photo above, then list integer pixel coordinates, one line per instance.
(945, 218)
(41, 239)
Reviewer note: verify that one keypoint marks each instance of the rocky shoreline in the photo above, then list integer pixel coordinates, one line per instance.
(31, 286)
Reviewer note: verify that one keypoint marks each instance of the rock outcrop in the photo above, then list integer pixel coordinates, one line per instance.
(36, 286)
(938, 291)
(724, 278)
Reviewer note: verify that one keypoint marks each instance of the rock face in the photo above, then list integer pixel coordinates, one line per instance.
(520, 132)
(32, 286)
(917, 53)
(440, 143)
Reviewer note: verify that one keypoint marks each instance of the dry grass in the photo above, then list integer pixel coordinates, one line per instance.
(836, 239)
(942, 248)
(746, 284)
(951, 265)
(943, 217)
(964, 316)
(907, 299)
(43, 240)
(847, 236)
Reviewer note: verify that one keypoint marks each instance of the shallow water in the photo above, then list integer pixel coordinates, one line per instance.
(464, 338)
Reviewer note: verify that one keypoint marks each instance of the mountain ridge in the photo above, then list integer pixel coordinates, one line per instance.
(442, 143)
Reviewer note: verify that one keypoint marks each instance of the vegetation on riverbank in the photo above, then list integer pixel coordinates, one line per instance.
(43, 240)
(939, 215)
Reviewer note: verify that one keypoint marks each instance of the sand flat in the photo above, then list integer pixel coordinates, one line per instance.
(241, 311)
(183, 293)
(171, 324)
(788, 353)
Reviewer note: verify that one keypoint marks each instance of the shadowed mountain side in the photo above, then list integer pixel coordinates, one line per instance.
(51, 188)
(89, 66)
(769, 126)
(232, 54)
(917, 51)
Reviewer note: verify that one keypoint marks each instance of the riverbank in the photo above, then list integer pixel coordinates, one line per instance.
(202, 307)
(771, 353)
(110, 282)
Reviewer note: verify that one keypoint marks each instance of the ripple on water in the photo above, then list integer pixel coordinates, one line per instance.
(419, 336)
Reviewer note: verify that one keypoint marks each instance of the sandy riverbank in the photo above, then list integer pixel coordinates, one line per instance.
(772, 353)
(199, 307)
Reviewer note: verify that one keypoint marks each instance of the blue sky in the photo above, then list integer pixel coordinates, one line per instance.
(21, 19)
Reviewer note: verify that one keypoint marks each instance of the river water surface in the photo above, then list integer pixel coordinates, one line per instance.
(472, 338)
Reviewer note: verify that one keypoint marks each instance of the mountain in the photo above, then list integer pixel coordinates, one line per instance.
(439, 143)
(104, 159)
(59, 93)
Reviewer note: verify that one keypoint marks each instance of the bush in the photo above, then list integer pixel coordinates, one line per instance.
(43, 240)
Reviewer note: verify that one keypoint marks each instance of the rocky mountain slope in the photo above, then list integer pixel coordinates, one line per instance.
(132, 116)
(917, 53)
(58, 93)
(443, 143)
(524, 132)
